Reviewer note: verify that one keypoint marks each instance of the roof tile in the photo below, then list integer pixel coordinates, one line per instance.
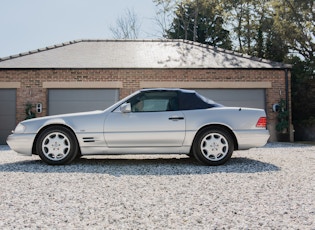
(134, 54)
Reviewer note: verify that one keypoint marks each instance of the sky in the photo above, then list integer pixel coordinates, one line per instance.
(27, 25)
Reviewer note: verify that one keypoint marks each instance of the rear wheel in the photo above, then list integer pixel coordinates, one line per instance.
(57, 145)
(213, 146)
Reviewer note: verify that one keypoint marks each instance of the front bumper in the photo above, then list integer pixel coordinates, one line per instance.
(21, 143)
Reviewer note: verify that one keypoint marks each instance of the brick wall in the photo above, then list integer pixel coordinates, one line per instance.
(31, 87)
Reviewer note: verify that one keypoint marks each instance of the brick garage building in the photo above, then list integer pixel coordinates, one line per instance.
(91, 74)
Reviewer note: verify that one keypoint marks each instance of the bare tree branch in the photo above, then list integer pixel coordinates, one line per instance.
(127, 26)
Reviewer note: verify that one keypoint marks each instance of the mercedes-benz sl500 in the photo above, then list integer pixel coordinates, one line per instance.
(150, 121)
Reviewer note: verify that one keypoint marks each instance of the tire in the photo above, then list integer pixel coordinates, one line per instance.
(57, 145)
(213, 146)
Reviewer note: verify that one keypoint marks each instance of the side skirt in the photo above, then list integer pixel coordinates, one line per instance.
(137, 150)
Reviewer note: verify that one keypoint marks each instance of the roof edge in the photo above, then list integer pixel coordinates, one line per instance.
(39, 50)
(83, 40)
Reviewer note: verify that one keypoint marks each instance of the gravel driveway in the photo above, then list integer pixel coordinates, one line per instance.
(265, 188)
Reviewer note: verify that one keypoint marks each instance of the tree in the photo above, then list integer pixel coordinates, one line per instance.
(295, 21)
(199, 21)
(164, 14)
(127, 26)
(242, 17)
(300, 89)
(275, 47)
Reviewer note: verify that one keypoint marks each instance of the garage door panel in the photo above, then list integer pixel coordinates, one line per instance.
(75, 106)
(7, 113)
(85, 94)
(253, 98)
(8, 108)
(3, 137)
(80, 100)
(7, 122)
(7, 94)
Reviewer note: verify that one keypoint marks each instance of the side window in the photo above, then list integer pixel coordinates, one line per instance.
(155, 101)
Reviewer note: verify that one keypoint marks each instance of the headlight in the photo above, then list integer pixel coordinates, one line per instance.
(19, 128)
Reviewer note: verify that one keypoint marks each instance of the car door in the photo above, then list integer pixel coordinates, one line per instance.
(151, 122)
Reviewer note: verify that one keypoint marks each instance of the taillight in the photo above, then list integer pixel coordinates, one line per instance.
(262, 122)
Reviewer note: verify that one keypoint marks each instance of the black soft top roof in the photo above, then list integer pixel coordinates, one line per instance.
(188, 99)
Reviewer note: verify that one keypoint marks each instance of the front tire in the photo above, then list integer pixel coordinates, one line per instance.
(57, 145)
(213, 146)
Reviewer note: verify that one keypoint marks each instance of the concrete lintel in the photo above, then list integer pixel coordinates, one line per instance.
(79, 85)
(206, 85)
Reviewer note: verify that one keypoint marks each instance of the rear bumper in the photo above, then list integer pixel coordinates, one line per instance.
(252, 138)
(21, 143)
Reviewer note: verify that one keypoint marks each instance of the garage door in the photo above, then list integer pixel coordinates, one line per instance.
(7, 113)
(62, 101)
(252, 98)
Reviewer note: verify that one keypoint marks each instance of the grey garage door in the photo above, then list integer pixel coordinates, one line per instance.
(62, 101)
(7, 113)
(252, 98)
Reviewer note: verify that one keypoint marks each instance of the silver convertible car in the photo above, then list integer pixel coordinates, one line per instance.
(161, 121)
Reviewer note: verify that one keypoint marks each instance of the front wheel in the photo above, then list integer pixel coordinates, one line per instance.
(57, 145)
(213, 146)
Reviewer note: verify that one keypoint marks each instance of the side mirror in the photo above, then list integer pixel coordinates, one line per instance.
(125, 108)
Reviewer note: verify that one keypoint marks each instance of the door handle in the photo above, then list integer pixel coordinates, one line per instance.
(176, 118)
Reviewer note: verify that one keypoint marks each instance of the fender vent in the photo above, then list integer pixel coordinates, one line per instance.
(88, 139)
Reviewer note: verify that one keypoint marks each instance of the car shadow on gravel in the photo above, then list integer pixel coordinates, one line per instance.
(151, 166)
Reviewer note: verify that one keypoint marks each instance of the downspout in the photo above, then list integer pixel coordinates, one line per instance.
(286, 89)
(287, 101)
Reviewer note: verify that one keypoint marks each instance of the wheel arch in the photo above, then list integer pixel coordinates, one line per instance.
(49, 126)
(217, 126)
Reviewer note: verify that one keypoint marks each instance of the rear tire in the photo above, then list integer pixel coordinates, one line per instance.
(57, 145)
(213, 146)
